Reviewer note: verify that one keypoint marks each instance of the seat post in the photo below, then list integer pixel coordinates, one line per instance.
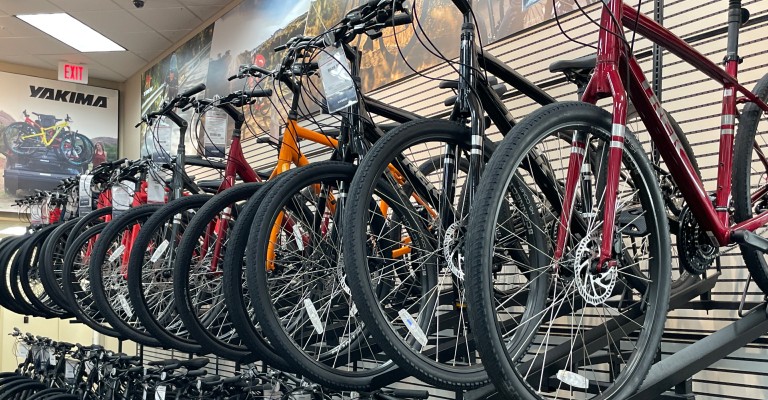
(734, 23)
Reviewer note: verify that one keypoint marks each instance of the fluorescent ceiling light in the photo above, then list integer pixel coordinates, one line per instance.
(71, 31)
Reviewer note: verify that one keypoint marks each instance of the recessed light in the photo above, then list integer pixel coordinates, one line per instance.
(74, 33)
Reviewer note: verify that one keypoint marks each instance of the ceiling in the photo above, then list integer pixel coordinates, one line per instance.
(145, 33)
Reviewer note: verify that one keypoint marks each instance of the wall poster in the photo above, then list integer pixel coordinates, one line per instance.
(52, 130)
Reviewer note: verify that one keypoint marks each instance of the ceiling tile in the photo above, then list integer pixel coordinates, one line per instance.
(108, 22)
(149, 55)
(105, 73)
(204, 12)
(85, 5)
(168, 19)
(30, 60)
(205, 2)
(15, 7)
(175, 36)
(74, 58)
(141, 41)
(124, 63)
(14, 27)
(36, 46)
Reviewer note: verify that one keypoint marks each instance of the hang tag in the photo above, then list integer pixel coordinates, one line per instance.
(302, 396)
(160, 392)
(22, 351)
(51, 357)
(144, 394)
(159, 141)
(338, 86)
(117, 253)
(69, 369)
(126, 305)
(85, 199)
(573, 379)
(122, 197)
(298, 236)
(35, 212)
(215, 133)
(159, 251)
(155, 190)
(413, 327)
(44, 212)
(313, 316)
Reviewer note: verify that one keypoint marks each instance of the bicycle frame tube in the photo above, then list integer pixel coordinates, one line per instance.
(43, 131)
(713, 218)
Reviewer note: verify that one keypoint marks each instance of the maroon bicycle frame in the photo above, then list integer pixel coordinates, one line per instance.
(610, 80)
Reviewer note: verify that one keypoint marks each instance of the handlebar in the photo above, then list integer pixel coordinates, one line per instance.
(192, 91)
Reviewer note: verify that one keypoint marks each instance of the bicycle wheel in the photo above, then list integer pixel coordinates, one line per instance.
(242, 311)
(597, 333)
(198, 284)
(13, 137)
(76, 149)
(76, 285)
(31, 276)
(411, 284)
(51, 260)
(21, 390)
(108, 273)
(750, 178)
(296, 277)
(8, 249)
(15, 277)
(150, 272)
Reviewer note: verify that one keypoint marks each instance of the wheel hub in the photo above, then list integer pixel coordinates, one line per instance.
(594, 287)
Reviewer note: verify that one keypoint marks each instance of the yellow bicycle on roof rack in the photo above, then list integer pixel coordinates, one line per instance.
(48, 132)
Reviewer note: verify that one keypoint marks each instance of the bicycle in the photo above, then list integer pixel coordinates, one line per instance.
(28, 137)
(599, 279)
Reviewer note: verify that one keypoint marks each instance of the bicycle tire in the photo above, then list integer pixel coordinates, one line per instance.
(744, 181)
(316, 348)
(31, 274)
(238, 302)
(145, 274)
(123, 320)
(22, 129)
(79, 298)
(21, 390)
(79, 151)
(500, 358)
(194, 237)
(15, 278)
(8, 248)
(52, 259)
(422, 359)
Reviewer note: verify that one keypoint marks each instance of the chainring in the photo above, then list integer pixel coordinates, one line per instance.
(695, 249)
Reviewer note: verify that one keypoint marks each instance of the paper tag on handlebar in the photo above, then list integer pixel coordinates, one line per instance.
(44, 212)
(69, 369)
(122, 197)
(338, 86)
(125, 305)
(22, 350)
(85, 199)
(215, 133)
(35, 212)
(155, 190)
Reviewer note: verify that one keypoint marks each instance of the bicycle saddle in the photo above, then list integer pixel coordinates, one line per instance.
(195, 363)
(209, 381)
(581, 63)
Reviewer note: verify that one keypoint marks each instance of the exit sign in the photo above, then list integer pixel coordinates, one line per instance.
(73, 72)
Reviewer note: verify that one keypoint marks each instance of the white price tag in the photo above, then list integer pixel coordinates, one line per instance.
(159, 251)
(298, 236)
(144, 394)
(117, 253)
(35, 214)
(126, 305)
(339, 88)
(45, 214)
(215, 133)
(22, 351)
(160, 392)
(313, 316)
(413, 327)
(573, 379)
(122, 197)
(51, 357)
(159, 142)
(155, 190)
(69, 369)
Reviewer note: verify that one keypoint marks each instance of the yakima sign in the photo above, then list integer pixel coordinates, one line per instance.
(73, 73)
(67, 96)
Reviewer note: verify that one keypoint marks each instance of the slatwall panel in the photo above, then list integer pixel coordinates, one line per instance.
(688, 96)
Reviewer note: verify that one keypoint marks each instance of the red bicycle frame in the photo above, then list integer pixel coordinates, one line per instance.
(610, 80)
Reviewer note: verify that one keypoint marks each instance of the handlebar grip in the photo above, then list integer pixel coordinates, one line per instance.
(281, 48)
(410, 394)
(258, 93)
(193, 90)
(233, 77)
(254, 68)
(400, 19)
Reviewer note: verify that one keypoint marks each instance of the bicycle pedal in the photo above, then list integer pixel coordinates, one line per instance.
(750, 239)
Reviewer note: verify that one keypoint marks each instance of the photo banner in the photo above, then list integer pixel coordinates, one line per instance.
(52, 130)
